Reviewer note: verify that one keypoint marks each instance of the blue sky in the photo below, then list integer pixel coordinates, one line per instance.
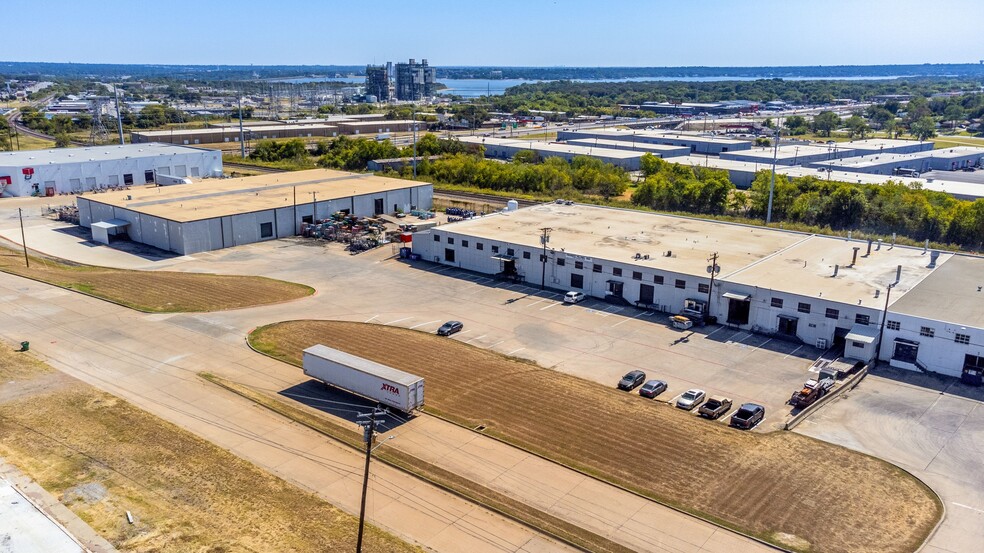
(496, 32)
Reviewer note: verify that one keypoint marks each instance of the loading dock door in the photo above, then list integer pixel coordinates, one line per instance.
(378, 207)
(787, 325)
(646, 294)
(615, 288)
(739, 306)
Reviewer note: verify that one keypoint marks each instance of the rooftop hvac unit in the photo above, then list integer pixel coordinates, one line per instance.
(821, 343)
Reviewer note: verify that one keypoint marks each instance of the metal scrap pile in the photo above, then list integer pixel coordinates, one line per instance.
(360, 233)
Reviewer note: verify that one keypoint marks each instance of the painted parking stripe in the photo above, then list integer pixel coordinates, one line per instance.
(537, 302)
(715, 332)
(627, 319)
(515, 350)
(398, 320)
(792, 352)
(371, 318)
(477, 338)
(555, 304)
(427, 323)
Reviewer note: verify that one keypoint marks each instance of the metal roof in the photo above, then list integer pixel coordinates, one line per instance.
(27, 158)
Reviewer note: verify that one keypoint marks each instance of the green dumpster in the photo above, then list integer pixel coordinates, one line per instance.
(25, 346)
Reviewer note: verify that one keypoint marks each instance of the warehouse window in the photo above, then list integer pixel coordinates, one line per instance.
(578, 264)
(616, 271)
(777, 303)
(862, 319)
(437, 238)
(962, 338)
(479, 246)
(680, 283)
(832, 313)
(893, 325)
(859, 345)
(149, 176)
(561, 262)
(526, 255)
(658, 279)
(703, 288)
(577, 281)
(543, 258)
(803, 307)
(128, 178)
(510, 251)
(636, 275)
(266, 230)
(464, 243)
(495, 249)
(596, 268)
(451, 240)
(927, 331)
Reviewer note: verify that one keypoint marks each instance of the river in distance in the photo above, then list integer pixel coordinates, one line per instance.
(474, 88)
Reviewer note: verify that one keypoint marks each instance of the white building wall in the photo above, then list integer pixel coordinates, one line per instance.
(87, 173)
(940, 353)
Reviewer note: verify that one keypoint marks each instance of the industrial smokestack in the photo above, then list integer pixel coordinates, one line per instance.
(854, 259)
(898, 274)
(836, 269)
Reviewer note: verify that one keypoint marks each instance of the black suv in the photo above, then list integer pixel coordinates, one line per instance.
(631, 380)
(748, 415)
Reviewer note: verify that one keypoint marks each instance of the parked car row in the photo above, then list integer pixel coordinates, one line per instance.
(746, 417)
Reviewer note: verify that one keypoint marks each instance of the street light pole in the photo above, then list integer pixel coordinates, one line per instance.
(772, 185)
(20, 216)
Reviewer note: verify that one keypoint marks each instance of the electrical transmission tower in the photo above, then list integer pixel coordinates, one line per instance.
(97, 131)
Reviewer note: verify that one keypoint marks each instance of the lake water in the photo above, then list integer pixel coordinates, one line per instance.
(473, 88)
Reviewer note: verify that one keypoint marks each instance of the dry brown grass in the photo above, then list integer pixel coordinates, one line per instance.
(783, 487)
(156, 291)
(186, 494)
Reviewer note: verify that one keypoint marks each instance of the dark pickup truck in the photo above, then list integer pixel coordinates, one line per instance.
(715, 407)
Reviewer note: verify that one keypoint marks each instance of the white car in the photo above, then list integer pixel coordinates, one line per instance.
(574, 297)
(690, 399)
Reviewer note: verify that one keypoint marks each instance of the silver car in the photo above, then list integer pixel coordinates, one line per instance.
(690, 399)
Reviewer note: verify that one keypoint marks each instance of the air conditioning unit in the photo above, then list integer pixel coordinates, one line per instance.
(821, 343)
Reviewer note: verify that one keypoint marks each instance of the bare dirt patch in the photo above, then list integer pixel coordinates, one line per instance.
(102, 457)
(156, 291)
(786, 488)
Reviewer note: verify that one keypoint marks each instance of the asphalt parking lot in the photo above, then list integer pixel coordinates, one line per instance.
(931, 426)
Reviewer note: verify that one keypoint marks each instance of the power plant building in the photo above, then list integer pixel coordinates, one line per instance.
(378, 82)
(415, 81)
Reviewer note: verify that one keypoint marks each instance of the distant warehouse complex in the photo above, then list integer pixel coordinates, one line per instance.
(189, 218)
(816, 289)
(76, 170)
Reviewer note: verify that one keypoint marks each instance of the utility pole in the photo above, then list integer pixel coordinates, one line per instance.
(20, 216)
(772, 185)
(881, 330)
(368, 432)
(119, 119)
(314, 207)
(242, 138)
(710, 289)
(543, 257)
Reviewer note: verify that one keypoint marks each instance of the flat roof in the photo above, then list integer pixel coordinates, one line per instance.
(949, 294)
(626, 134)
(786, 152)
(234, 130)
(876, 143)
(26, 158)
(377, 123)
(554, 147)
(956, 151)
(222, 197)
(623, 145)
(875, 160)
(756, 256)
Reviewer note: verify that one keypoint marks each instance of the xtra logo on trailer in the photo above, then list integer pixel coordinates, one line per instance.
(391, 389)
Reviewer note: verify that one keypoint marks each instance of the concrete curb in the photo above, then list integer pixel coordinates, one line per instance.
(849, 384)
(60, 515)
(579, 471)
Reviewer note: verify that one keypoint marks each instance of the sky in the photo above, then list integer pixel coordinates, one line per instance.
(495, 33)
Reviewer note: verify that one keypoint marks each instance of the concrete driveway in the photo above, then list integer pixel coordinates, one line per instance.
(931, 426)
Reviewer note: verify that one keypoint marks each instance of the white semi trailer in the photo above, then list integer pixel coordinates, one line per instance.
(361, 376)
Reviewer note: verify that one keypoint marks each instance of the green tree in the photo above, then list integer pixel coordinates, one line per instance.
(62, 140)
(857, 126)
(954, 113)
(644, 194)
(826, 122)
(428, 145)
(923, 129)
(796, 124)
(5, 134)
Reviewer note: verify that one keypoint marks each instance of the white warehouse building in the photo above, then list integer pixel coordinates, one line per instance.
(191, 218)
(74, 170)
(815, 289)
